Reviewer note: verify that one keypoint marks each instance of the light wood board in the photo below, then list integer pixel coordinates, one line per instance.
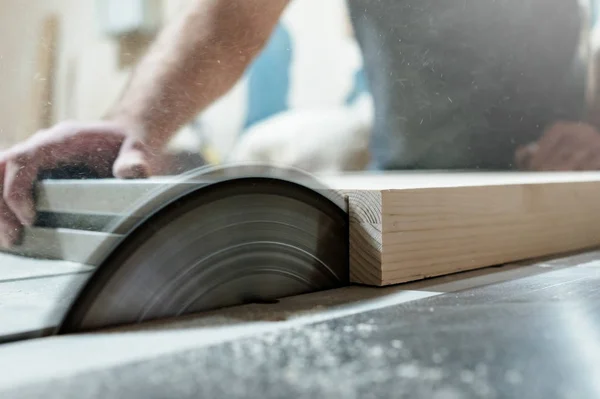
(409, 227)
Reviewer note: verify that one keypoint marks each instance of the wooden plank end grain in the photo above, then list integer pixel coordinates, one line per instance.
(365, 236)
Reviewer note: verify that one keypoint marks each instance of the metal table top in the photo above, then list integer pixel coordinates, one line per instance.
(516, 331)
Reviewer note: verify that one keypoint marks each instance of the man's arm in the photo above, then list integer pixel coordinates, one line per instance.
(195, 60)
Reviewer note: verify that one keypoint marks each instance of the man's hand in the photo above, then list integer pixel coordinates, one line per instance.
(564, 146)
(109, 149)
(196, 59)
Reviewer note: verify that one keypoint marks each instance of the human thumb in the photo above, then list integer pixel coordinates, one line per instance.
(132, 161)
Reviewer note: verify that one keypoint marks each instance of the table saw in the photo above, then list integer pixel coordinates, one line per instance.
(79, 318)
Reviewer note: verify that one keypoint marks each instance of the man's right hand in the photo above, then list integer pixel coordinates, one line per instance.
(108, 148)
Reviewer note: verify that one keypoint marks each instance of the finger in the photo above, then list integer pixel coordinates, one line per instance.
(570, 147)
(524, 155)
(578, 156)
(19, 177)
(132, 161)
(584, 160)
(563, 158)
(10, 227)
(548, 146)
(548, 154)
(588, 160)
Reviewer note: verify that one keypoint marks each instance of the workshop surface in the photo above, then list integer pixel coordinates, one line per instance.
(523, 330)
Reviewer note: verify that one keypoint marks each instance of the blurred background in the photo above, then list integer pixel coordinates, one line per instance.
(70, 59)
(305, 100)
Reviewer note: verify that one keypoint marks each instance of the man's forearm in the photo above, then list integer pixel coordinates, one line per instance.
(195, 60)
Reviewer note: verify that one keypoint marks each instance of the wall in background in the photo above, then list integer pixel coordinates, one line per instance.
(20, 29)
(90, 73)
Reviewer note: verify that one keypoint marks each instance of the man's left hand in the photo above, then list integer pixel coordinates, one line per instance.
(564, 146)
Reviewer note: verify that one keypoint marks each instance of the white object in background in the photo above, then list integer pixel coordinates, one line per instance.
(327, 140)
(223, 121)
(122, 17)
(324, 57)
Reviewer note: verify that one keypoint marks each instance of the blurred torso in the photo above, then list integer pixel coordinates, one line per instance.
(462, 83)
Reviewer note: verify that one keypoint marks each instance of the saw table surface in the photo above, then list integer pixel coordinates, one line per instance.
(523, 330)
(520, 330)
(34, 294)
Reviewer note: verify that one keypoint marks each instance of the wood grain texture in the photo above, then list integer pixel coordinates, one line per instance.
(365, 216)
(404, 229)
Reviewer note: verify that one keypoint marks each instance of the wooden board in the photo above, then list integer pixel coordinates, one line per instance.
(409, 226)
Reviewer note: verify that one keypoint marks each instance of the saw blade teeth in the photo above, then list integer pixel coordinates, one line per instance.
(216, 244)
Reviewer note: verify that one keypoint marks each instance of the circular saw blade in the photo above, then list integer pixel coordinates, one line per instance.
(236, 240)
